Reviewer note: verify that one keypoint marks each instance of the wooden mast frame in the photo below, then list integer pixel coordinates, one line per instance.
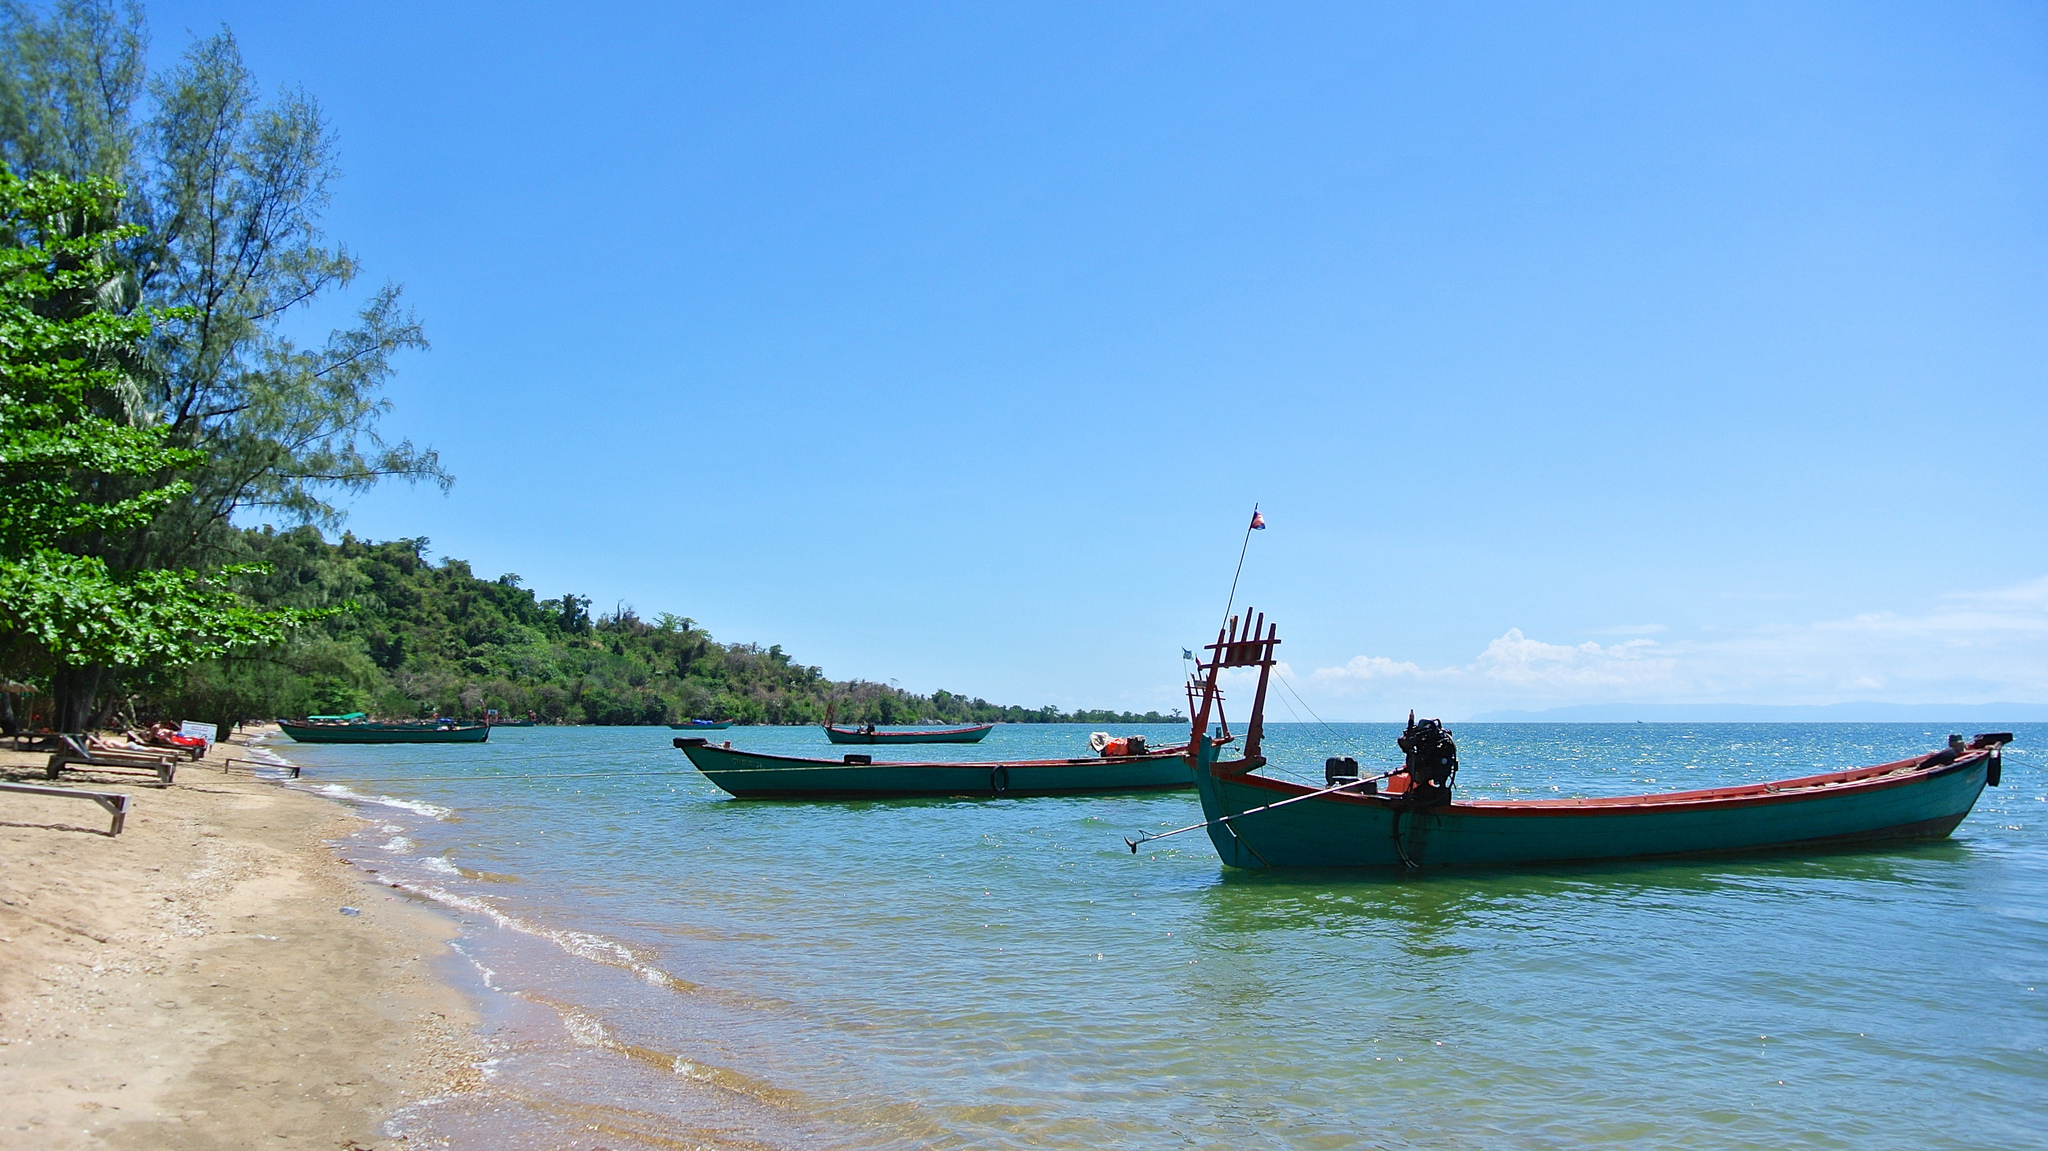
(1250, 647)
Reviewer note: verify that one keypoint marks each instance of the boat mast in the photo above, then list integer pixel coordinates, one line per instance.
(1236, 646)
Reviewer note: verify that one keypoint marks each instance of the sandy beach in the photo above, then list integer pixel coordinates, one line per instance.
(193, 982)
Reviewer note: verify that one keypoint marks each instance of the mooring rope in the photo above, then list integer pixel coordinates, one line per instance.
(478, 778)
(1304, 703)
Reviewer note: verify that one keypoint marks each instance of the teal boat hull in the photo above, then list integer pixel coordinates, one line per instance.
(1923, 798)
(750, 775)
(383, 733)
(949, 735)
(721, 726)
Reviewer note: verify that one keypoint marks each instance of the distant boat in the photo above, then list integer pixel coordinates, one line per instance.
(751, 775)
(323, 730)
(1407, 818)
(868, 734)
(702, 725)
(510, 722)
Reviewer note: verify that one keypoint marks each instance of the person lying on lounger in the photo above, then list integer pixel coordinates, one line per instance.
(163, 734)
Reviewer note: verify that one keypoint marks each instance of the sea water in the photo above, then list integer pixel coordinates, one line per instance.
(659, 965)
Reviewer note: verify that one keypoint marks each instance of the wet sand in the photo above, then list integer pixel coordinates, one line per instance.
(193, 983)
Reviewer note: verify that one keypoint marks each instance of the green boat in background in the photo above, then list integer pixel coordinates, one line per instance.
(354, 729)
(751, 775)
(702, 725)
(867, 733)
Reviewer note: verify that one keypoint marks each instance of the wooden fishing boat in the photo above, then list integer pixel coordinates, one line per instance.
(702, 725)
(363, 732)
(869, 734)
(1257, 821)
(751, 775)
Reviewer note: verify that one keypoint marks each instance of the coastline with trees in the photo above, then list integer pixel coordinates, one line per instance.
(391, 632)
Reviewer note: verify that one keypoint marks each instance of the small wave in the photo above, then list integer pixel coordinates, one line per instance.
(487, 974)
(398, 845)
(581, 944)
(585, 1029)
(351, 795)
(437, 863)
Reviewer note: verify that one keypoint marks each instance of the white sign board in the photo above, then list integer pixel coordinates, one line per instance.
(205, 731)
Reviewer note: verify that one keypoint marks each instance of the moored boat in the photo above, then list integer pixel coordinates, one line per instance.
(751, 775)
(868, 733)
(702, 725)
(355, 731)
(1258, 821)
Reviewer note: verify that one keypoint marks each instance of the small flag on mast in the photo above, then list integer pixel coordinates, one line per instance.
(1258, 520)
(1186, 654)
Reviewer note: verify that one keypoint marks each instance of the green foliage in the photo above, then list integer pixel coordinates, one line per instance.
(70, 472)
(177, 427)
(434, 638)
(66, 85)
(60, 356)
(232, 187)
(237, 188)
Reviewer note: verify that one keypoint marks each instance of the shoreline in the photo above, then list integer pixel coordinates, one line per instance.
(194, 982)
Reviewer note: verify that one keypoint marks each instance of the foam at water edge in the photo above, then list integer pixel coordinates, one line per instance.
(351, 795)
(581, 944)
(487, 974)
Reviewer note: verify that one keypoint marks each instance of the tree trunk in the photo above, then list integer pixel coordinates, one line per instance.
(75, 692)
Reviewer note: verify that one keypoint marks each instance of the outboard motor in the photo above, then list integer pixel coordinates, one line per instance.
(1432, 765)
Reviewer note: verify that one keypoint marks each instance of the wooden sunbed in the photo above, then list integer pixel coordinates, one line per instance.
(75, 754)
(115, 802)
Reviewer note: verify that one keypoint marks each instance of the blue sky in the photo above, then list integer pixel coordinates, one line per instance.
(1577, 353)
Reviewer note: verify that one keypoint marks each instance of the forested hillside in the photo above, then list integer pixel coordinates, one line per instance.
(410, 637)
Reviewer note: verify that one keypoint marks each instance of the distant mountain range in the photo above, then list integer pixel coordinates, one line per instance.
(1960, 713)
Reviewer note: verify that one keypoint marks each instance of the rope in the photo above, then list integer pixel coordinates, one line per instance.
(1240, 566)
(474, 779)
(1304, 704)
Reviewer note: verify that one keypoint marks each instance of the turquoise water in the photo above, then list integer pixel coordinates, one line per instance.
(662, 966)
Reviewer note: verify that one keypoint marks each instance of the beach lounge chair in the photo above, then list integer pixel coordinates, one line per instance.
(115, 802)
(75, 754)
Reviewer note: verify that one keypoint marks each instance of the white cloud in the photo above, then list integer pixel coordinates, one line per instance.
(1518, 660)
(1370, 667)
(1968, 647)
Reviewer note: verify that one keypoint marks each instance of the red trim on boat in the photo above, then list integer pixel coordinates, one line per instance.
(1878, 778)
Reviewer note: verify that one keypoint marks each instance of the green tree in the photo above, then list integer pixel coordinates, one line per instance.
(70, 471)
(229, 188)
(67, 84)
